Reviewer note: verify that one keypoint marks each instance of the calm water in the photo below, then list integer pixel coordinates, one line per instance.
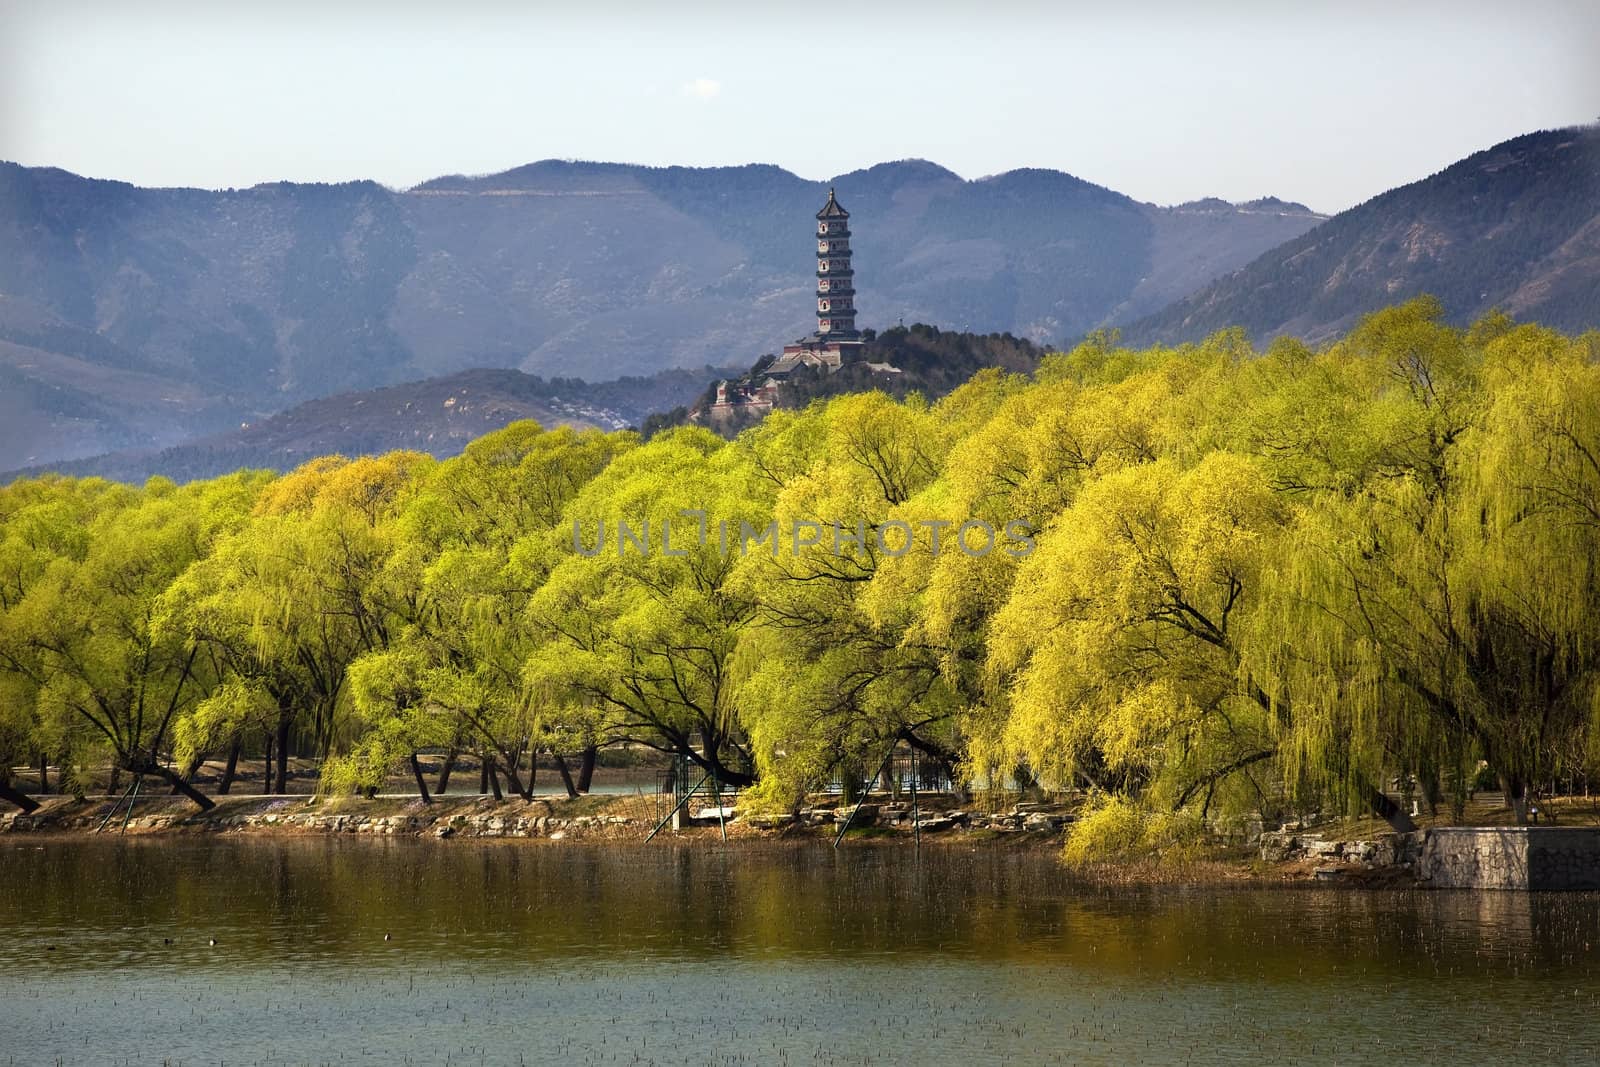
(509, 953)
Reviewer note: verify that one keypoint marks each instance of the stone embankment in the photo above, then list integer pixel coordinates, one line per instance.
(290, 815)
(1455, 857)
(1390, 850)
(552, 818)
(1021, 818)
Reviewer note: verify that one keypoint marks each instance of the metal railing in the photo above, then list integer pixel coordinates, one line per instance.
(849, 779)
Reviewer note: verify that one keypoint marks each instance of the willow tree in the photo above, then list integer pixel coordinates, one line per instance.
(1444, 610)
(41, 521)
(286, 603)
(1532, 570)
(1015, 469)
(108, 678)
(1120, 642)
(474, 545)
(635, 624)
(825, 684)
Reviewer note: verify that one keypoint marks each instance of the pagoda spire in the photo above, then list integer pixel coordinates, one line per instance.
(836, 292)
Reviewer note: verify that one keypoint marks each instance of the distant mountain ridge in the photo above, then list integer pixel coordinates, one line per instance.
(438, 415)
(1515, 227)
(140, 318)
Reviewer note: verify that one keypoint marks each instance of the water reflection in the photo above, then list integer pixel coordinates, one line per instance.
(997, 953)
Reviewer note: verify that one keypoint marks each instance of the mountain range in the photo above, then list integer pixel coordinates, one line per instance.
(138, 320)
(1514, 228)
(435, 415)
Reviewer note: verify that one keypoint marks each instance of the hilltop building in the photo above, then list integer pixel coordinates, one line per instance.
(835, 342)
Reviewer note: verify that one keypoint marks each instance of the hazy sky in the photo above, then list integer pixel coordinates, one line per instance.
(1328, 103)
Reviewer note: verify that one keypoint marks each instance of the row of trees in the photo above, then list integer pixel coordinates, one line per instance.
(1259, 581)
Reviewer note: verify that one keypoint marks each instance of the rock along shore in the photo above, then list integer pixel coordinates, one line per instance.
(552, 818)
(1451, 857)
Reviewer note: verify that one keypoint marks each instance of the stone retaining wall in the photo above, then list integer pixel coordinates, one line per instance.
(1390, 850)
(1511, 857)
(1460, 857)
(1022, 818)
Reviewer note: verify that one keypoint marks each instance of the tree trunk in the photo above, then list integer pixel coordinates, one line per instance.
(941, 757)
(853, 780)
(483, 775)
(514, 780)
(422, 787)
(230, 770)
(1431, 793)
(444, 772)
(180, 786)
(712, 761)
(1387, 810)
(190, 769)
(116, 779)
(586, 768)
(266, 768)
(494, 780)
(1516, 792)
(566, 774)
(44, 772)
(283, 755)
(21, 800)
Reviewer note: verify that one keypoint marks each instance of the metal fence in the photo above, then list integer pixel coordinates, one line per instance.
(850, 778)
(682, 775)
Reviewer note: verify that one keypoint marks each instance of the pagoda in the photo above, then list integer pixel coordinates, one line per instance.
(836, 340)
(836, 293)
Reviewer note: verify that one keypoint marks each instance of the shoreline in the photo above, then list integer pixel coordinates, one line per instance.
(549, 816)
(1505, 858)
(624, 820)
(467, 815)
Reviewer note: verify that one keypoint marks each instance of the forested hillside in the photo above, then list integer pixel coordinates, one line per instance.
(927, 361)
(1197, 584)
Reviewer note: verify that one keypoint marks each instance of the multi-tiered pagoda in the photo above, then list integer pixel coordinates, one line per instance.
(836, 340)
(836, 291)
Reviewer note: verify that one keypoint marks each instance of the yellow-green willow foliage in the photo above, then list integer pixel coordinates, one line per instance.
(821, 680)
(41, 522)
(285, 604)
(1225, 583)
(109, 683)
(635, 622)
(472, 547)
(1119, 645)
(1442, 610)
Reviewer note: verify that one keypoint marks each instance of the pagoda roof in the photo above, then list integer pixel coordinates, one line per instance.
(832, 209)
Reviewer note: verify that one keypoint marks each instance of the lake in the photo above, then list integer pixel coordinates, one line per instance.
(348, 951)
